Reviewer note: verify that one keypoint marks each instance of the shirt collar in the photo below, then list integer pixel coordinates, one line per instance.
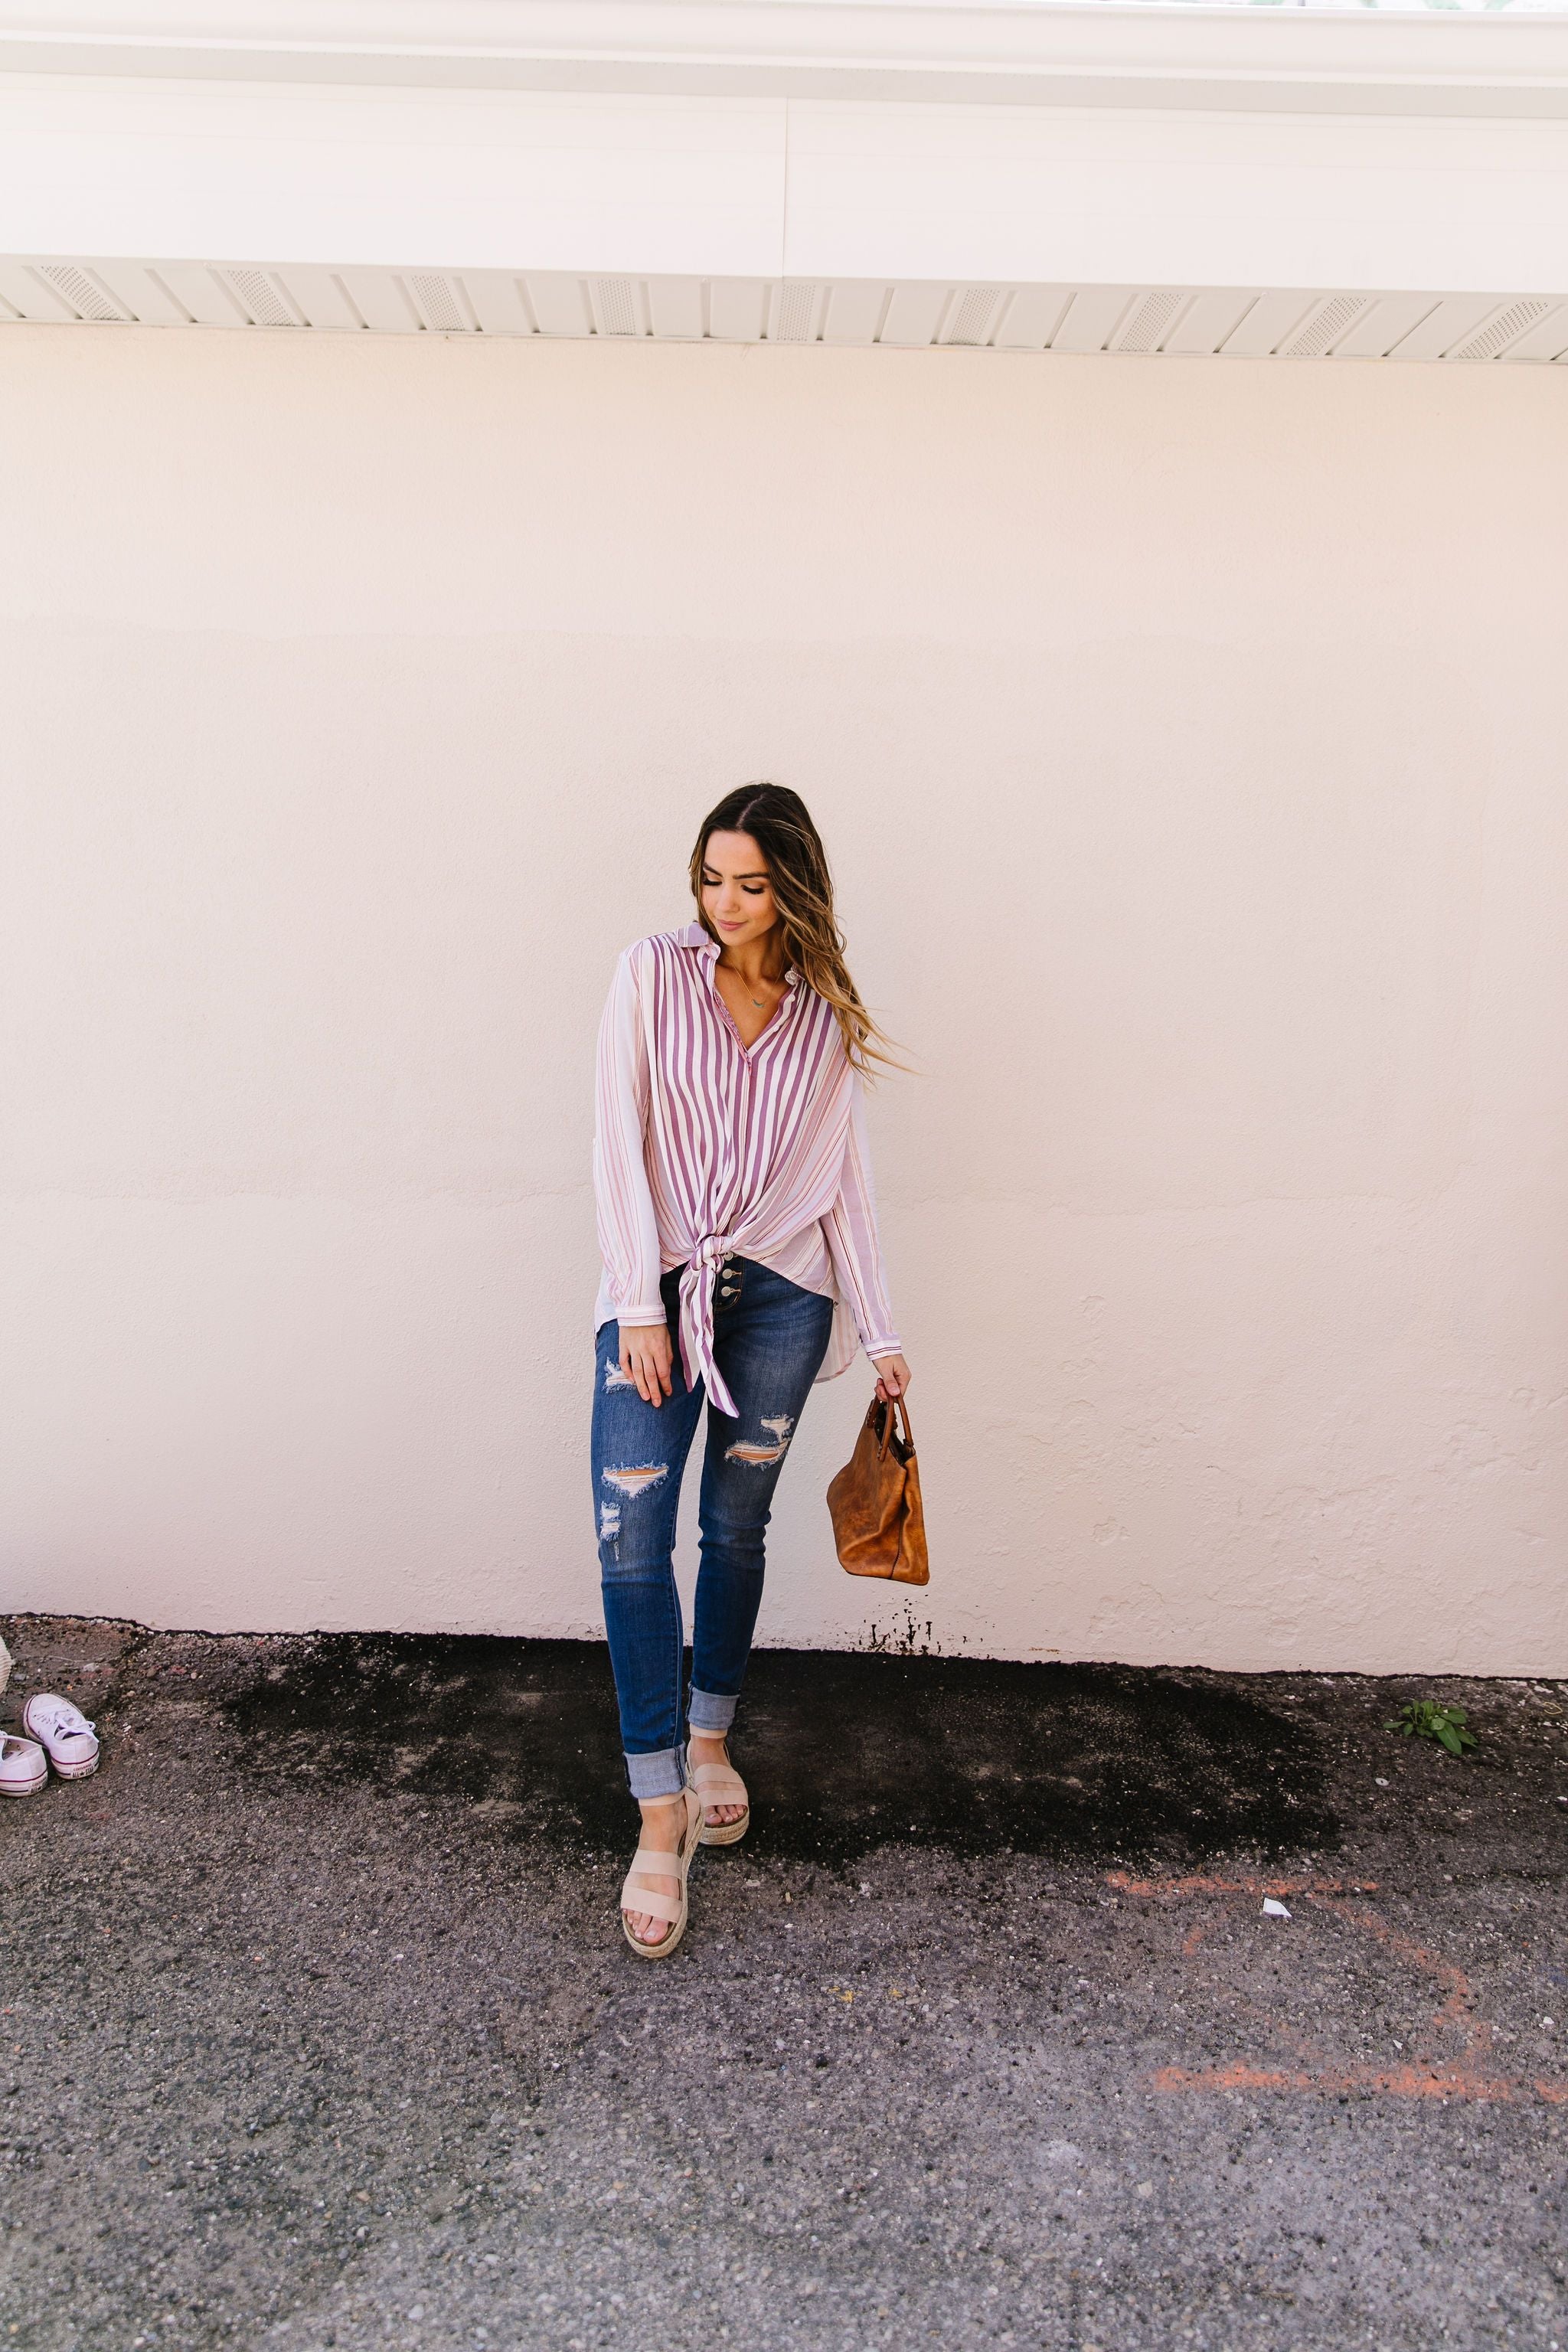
(694, 936)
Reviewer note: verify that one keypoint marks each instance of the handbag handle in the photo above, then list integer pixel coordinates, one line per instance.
(894, 1406)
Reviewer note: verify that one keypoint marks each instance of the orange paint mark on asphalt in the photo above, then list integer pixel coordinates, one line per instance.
(1460, 1995)
(1467, 2077)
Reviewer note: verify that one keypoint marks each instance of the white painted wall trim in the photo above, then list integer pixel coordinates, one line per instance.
(1022, 54)
(1143, 322)
(1089, 147)
(757, 188)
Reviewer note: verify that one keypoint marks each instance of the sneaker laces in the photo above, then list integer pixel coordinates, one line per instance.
(57, 1719)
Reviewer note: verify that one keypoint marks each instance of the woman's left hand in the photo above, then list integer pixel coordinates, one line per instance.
(893, 1378)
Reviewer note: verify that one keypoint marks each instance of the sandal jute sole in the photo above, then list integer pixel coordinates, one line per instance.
(652, 1901)
(721, 1784)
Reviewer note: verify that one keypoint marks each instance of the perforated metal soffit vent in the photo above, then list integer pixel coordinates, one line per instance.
(1255, 323)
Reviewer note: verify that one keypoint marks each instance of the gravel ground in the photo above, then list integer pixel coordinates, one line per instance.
(318, 2028)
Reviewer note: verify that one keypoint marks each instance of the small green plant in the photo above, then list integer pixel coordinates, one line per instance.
(1423, 1718)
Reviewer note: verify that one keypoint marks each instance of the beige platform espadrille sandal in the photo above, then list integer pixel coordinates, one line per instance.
(638, 1895)
(721, 1784)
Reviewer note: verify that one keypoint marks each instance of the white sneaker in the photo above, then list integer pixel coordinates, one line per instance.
(22, 1766)
(68, 1738)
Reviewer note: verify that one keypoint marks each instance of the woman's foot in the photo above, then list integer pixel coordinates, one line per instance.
(663, 1825)
(704, 1748)
(720, 1789)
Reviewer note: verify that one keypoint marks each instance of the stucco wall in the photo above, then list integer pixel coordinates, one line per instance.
(1189, 738)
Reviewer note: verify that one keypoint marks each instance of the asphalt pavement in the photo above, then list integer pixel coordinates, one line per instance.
(317, 2028)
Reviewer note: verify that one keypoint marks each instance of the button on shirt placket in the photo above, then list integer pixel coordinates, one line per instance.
(729, 1284)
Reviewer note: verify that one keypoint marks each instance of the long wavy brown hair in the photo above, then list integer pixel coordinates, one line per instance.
(780, 824)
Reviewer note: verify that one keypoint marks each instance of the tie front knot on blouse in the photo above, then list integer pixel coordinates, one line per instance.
(696, 1322)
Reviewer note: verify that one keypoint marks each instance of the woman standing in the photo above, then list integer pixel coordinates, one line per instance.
(738, 1239)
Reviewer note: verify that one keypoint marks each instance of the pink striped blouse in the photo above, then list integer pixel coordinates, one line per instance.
(704, 1146)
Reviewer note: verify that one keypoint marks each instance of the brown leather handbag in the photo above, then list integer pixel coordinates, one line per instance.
(879, 1524)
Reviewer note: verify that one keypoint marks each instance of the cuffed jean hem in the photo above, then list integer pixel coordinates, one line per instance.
(710, 1712)
(662, 1774)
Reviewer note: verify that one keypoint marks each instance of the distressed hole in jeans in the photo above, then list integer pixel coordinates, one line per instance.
(637, 1480)
(609, 1522)
(760, 1453)
(615, 1378)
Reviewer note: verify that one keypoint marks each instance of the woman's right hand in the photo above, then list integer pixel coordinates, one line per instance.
(647, 1357)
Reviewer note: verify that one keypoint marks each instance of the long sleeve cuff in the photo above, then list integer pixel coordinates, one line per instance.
(850, 1230)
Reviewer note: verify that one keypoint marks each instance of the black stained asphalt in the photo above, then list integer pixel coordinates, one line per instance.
(317, 2028)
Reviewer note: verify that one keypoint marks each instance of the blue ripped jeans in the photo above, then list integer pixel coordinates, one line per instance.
(770, 1338)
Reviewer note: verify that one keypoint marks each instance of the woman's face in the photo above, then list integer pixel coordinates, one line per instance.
(737, 896)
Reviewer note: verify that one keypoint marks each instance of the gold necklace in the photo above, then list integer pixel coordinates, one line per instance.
(759, 1001)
